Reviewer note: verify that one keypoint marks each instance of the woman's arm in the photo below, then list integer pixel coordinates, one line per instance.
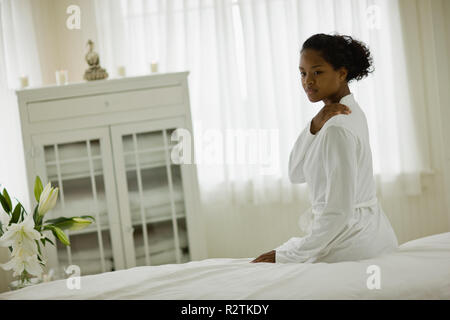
(297, 156)
(301, 146)
(339, 154)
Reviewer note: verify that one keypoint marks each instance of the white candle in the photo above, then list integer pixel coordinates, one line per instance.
(58, 78)
(61, 77)
(24, 82)
(154, 66)
(121, 71)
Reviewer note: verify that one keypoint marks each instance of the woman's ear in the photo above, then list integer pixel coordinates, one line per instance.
(343, 73)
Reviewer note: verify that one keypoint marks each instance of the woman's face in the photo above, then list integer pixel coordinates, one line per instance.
(320, 81)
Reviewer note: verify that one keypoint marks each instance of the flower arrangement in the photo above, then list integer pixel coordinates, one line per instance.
(22, 232)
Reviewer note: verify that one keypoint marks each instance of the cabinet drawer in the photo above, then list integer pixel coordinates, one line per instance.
(111, 102)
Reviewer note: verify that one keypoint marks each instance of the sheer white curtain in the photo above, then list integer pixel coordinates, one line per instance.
(243, 58)
(18, 57)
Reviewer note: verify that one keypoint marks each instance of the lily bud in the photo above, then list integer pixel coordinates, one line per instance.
(47, 200)
(79, 223)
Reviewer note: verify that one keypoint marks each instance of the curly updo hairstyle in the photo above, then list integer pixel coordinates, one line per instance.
(342, 51)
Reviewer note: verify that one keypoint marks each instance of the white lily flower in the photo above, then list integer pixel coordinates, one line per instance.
(4, 219)
(22, 261)
(22, 235)
(47, 200)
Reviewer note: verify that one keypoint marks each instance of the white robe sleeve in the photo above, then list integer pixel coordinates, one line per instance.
(297, 156)
(339, 154)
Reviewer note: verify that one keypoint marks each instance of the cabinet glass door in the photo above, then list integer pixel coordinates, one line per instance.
(151, 195)
(80, 165)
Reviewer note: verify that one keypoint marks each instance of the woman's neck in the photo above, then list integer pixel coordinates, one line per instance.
(335, 98)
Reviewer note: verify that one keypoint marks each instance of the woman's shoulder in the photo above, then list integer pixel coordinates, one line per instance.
(340, 122)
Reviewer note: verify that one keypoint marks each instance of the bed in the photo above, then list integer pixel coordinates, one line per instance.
(420, 269)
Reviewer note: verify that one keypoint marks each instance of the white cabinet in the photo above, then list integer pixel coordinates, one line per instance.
(107, 145)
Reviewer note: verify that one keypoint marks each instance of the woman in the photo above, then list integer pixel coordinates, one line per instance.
(332, 155)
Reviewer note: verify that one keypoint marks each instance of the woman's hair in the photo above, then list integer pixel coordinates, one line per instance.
(342, 51)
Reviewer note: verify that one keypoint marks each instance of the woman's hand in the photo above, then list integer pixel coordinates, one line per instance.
(326, 113)
(266, 257)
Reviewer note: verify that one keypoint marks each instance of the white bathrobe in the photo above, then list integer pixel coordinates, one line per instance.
(346, 221)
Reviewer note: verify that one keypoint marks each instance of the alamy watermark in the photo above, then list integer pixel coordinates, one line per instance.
(74, 280)
(374, 280)
(373, 17)
(74, 19)
(258, 147)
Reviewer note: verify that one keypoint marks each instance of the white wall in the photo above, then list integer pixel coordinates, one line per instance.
(60, 47)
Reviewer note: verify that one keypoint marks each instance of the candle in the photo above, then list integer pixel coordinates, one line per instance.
(23, 82)
(121, 71)
(61, 77)
(154, 66)
(58, 78)
(48, 277)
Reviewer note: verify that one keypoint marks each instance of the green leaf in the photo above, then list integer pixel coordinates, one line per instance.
(71, 223)
(48, 240)
(57, 220)
(38, 188)
(22, 213)
(62, 222)
(23, 208)
(16, 213)
(4, 203)
(39, 248)
(35, 215)
(7, 198)
(58, 233)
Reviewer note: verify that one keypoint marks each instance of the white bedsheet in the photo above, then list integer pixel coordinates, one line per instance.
(420, 269)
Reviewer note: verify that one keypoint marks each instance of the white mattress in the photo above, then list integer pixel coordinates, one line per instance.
(420, 269)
